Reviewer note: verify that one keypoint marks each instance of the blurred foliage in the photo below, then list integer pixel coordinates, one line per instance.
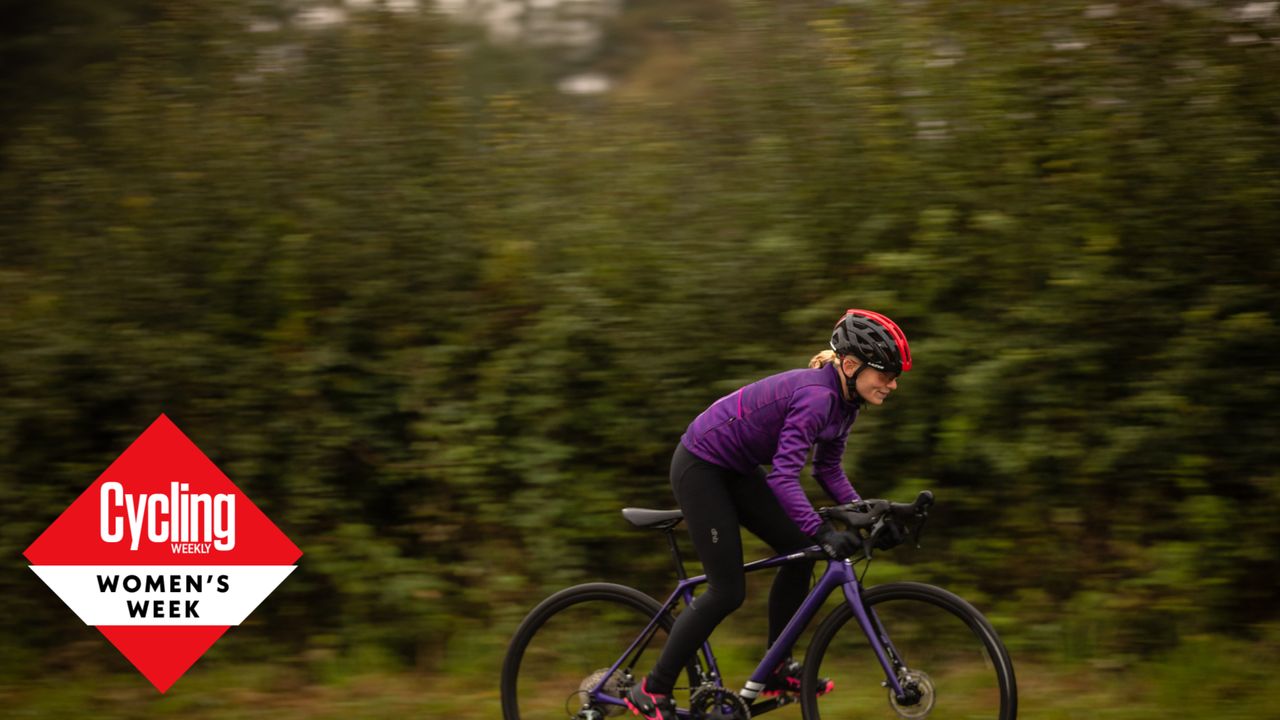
(441, 323)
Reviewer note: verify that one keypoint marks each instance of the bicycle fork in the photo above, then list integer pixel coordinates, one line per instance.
(890, 661)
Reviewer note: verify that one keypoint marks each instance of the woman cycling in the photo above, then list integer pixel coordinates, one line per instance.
(718, 480)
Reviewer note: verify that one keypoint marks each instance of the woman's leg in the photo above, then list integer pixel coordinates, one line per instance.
(762, 514)
(703, 491)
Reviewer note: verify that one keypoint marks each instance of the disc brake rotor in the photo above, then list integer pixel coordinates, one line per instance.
(917, 683)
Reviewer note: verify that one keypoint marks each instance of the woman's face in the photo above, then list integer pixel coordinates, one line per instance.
(874, 386)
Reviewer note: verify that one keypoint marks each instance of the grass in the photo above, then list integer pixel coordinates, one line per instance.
(1206, 677)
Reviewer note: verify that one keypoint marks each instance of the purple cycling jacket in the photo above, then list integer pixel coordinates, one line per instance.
(776, 420)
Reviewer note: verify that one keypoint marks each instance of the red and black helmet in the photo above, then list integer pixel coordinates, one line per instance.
(874, 339)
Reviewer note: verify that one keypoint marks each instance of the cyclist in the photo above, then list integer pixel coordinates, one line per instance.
(718, 480)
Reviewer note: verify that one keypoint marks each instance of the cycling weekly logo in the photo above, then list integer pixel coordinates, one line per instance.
(162, 554)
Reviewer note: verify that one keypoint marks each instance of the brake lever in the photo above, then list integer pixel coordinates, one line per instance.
(919, 529)
(868, 545)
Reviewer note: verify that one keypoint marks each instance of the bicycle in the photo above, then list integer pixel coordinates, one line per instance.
(937, 655)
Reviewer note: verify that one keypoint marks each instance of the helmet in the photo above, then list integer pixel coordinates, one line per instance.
(874, 339)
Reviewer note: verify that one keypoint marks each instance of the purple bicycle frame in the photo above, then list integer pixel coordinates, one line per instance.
(838, 574)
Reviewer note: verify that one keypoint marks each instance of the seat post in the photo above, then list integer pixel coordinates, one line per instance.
(675, 554)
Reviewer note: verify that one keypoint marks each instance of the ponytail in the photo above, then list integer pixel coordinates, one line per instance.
(823, 359)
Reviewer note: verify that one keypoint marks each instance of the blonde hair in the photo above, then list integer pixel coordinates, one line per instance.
(823, 359)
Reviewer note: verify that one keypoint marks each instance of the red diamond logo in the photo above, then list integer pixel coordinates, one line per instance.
(162, 554)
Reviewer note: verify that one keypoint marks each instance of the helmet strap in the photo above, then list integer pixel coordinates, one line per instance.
(851, 383)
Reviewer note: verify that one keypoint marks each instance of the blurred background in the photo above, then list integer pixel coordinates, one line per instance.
(440, 286)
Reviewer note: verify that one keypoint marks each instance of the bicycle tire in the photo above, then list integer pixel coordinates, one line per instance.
(644, 606)
(915, 597)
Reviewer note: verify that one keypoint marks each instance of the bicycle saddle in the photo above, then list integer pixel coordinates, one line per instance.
(655, 519)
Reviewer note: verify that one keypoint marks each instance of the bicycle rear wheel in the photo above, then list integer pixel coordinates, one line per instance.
(951, 659)
(568, 643)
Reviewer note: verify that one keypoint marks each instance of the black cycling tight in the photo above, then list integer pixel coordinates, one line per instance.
(716, 501)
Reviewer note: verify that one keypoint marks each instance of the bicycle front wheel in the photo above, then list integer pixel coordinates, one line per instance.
(568, 644)
(948, 657)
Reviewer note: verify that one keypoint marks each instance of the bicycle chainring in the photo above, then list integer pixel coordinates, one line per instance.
(917, 685)
(712, 702)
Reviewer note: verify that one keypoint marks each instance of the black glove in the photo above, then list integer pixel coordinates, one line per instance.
(837, 544)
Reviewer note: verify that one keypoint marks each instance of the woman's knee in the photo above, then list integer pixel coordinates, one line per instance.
(724, 597)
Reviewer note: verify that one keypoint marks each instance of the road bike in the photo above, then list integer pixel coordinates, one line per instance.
(900, 649)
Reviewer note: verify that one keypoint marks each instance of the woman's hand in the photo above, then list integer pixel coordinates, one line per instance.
(837, 544)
